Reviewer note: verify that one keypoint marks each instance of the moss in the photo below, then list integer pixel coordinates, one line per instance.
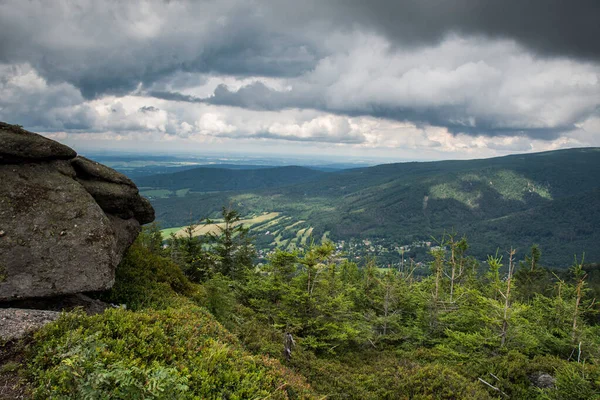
(12, 128)
(11, 366)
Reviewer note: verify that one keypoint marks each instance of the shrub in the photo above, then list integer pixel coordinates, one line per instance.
(147, 280)
(174, 353)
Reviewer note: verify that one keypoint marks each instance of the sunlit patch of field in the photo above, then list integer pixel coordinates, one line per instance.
(201, 230)
(277, 241)
(156, 193)
(300, 233)
(272, 223)
(306, 235)
(166, 233)
(182, 192)
(293, 225)
(287, 233)
(162, 193)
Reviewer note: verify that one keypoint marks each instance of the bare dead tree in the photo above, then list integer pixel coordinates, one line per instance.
(580, 275)
(506, 296)
(288, 345)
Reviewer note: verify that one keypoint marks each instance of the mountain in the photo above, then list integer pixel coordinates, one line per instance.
(549, 198)
(209, 179)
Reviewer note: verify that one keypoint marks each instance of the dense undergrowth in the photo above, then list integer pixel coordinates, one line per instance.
(519, 332)
(177, 353)
(164, 345)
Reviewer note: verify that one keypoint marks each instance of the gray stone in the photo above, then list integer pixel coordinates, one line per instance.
(15, 323)
(92, 170)
(543, 380)
(67, 302)
(143, 211)
(64, 224)
(18, 145)
(112, 198)
(56, 240)
(121, 200)
(126, 230)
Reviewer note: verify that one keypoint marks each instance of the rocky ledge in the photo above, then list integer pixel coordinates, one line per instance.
(65, 221)
(15, 323)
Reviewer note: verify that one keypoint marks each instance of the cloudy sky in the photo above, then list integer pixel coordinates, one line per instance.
(422, 79)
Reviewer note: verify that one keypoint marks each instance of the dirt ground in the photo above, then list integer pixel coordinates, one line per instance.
(12, 384)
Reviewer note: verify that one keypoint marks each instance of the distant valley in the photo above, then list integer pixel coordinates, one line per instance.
(551, 198)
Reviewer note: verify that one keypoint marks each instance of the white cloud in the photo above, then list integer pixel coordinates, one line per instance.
(462, 97)
(479, 86)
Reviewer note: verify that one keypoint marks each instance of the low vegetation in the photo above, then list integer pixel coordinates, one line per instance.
(203, 321)
(163, 345)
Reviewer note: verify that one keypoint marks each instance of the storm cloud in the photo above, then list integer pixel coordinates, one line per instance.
(332, 71)
(468, 86)
(112, 46)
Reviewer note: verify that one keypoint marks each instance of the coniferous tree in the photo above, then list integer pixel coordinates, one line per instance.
(151, 238)
(232, 246)
(531, 278)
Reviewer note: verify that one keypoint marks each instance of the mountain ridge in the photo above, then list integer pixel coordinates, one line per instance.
(406, 202)
(206, 179)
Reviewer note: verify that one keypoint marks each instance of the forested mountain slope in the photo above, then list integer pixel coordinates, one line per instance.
(550, 198)
(208, 179)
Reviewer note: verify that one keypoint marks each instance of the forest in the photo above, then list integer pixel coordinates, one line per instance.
(203, 320)
(551, 199)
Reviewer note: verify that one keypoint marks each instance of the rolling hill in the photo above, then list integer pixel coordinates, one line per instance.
(550, 198)
(209, 179)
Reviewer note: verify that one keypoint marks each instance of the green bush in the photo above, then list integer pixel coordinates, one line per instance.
(178, 353)
(147, 280)
(573, 383)
(435, 381)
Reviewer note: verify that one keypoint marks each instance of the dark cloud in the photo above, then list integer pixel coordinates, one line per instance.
(255, 96)
(258, 96)
(323, 137)
(174, 96)
(547, 27)
(112, 47)
(86, 49)
(147, 109)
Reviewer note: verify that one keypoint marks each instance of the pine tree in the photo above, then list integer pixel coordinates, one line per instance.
(232, 246)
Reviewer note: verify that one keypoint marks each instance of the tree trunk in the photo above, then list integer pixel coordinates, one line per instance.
(507, 298)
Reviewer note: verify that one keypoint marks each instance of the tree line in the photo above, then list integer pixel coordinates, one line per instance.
(509, 310)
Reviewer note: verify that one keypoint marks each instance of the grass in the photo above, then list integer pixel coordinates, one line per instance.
(182, 192)
(270, 224)
(166, 233)
(307, 234)
(300, 233)
(293, 225)
(214, 228)
(156, 193)
(277, 240)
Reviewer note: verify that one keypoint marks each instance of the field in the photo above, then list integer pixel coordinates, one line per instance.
(152, 193)
(270, 229)
(201, 230)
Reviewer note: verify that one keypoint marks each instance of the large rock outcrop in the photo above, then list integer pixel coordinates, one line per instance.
(65, 221)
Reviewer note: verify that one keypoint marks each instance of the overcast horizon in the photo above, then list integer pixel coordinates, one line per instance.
(412, 80)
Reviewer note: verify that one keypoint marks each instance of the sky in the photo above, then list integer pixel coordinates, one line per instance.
(405, 80)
